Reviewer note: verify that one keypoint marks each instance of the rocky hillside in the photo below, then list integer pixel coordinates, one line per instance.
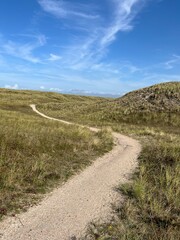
(158, 104)
(160, 97)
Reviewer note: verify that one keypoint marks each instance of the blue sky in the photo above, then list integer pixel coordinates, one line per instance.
(101, 46)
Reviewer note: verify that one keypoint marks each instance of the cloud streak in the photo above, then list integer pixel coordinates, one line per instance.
(175, 60)
(54, 57)
(92, 47)
(125, 12)
(15, 86)
(23, 51)
(63, 9)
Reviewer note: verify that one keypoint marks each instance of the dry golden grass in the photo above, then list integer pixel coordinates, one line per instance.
(152, 208)
(37, 154)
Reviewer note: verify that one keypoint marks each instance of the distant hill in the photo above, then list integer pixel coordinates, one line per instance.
(158, 104)
(160, 97)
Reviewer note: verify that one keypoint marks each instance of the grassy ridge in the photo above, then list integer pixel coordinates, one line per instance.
(157, 105)
(35, 153)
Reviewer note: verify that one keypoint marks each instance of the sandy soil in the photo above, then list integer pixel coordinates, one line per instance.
(88, 196)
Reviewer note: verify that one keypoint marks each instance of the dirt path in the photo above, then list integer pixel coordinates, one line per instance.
(85, 197)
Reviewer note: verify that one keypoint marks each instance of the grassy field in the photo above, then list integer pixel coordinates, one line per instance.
(152, 115)
(37, 154)
(152, 206)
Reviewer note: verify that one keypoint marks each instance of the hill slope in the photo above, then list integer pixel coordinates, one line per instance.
(160, 97)
(158, 104)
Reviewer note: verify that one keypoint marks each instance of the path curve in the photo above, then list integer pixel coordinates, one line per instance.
(85, 197)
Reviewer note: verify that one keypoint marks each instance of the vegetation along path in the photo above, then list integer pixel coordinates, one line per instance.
(85, 197)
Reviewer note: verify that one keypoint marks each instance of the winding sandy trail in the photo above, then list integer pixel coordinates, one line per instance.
(85, 197)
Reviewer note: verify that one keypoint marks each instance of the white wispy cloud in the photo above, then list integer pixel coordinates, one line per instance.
(23, 50)
(63, 9)
(89, 49)
(54, 57)
(55, 89)
(170, 64)
(15, 86)
(125, 12)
